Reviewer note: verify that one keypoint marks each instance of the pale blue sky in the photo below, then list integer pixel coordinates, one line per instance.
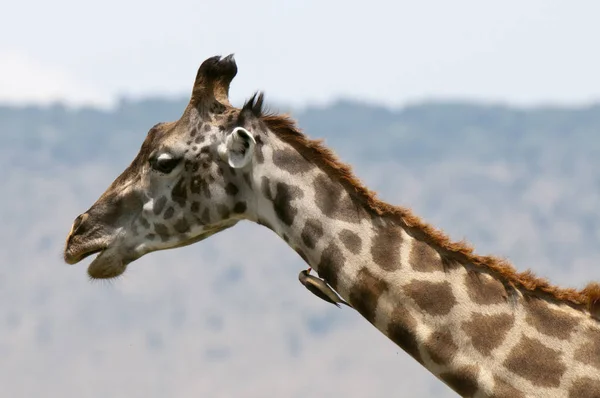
(305, 51)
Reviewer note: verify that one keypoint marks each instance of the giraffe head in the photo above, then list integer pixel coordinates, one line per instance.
(190, 180)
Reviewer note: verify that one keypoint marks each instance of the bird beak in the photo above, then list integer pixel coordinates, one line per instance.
(308, 270)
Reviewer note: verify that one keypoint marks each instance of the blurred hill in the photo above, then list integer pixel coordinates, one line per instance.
(198, 321)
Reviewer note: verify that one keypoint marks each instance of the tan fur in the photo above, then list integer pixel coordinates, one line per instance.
(315, 152)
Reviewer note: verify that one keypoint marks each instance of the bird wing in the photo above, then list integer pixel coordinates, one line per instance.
(317, 291)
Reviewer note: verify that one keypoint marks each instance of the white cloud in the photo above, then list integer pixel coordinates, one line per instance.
(23, 79)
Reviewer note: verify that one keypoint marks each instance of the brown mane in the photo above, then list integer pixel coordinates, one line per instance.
(314, 151)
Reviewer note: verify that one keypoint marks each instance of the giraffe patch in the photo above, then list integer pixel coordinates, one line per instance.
(365, 293)
(265, 188)
(535, 362)
(169, 213)
(435, 298)
(423, 258)
(179, 193)
(231, 189)
(548, 321)
(402, 331)
(291, 161)
(181, 226)
(258, 149)
(195, 207)
(504, 390)
(144, 222)
(585, 388)
(284, 195)
(162, 231)
(351, 241)
(589, 352)
(159, 205)
(483, 289)
(332, 261)
(462, 380)
(223, 211)
(301, 254)
(385, 247)
(205, 217)
(333, 200)
(487, 332)
(441, 347)
(312, 231)
(239, 207)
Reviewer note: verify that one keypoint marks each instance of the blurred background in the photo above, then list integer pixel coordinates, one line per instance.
(484, 118)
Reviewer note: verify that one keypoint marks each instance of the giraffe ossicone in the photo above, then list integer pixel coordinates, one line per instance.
(473, 321)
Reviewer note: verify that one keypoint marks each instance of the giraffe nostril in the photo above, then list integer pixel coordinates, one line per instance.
(77, 223)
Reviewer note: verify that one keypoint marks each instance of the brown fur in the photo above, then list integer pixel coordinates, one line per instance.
(315, 152)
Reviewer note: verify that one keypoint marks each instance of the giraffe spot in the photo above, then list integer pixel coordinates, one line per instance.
(247, 179)
(483, 289)
(207, 127)
(162, 231)
(285, 194)
(385, 247)
(487, 332)
(220, 170)
(258, 149)
(549, 321)
(195, 167)
(424, 258)
(150, 236)
(198, 185)
(223, 211)
(504, 390)
(301, 254)
(462, 380)
(239, 207)
(159, 205)
(266, 188)
(441, 347)
(585, 387)
(193, 132)
(334, 201)
(179, 193)
(205, 217)
(589, 352)
(291, 161)
(365, 293)
(435, 298)
(169, 213)
(351, 241)
(264, 223)
(200, 139)
(402, 331)
(332, 261)
(231, 189)
(182, 226)
(312, 231)
(144, 222)
(195, 207)
(535, 362)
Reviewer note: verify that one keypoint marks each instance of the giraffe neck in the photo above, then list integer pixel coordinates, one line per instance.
(466, 326)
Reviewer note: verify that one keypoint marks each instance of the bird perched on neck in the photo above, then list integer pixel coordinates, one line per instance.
(319, 288)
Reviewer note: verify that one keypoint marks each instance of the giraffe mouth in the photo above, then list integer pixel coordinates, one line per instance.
(74, 255)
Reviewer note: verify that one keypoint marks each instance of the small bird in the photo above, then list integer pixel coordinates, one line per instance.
(319, 288)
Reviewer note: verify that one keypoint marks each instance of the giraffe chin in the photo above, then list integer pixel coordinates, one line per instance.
(107, 265)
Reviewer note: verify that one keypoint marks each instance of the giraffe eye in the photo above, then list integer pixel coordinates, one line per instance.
(164, 163)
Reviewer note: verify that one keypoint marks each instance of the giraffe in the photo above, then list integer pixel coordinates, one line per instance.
(473, 321)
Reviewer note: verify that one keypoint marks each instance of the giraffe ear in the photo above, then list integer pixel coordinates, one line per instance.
(238, 148)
